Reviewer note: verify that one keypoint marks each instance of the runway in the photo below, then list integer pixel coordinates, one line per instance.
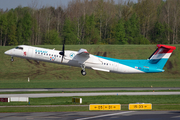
(97, 115)
(40, 95)
(84, 89)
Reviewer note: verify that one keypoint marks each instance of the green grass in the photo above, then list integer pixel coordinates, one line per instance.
(166, 102)
(154, 99)
(166, 107)
(89, 83)
(168, 99)
(28, 92)
(48, 75)
(44, 109)
(76, 108)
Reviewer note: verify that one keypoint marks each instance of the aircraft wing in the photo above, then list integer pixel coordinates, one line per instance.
(84, 57)
(83, 52)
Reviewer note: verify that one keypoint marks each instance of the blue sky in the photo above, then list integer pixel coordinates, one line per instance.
(14, 3)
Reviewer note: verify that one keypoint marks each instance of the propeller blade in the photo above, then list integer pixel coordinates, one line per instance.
(63, 52)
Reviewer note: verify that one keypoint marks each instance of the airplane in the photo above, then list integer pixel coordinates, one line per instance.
(83, 59)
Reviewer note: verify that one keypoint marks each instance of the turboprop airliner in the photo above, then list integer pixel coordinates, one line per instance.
(83, 59)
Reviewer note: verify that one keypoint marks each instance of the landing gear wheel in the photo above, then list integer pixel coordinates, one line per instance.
(12, 59)
(83, 72)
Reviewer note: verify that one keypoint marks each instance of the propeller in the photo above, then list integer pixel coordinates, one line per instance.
(62, 52)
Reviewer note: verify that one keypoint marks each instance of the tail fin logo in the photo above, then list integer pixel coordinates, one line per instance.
(162, 52)
(52, 58)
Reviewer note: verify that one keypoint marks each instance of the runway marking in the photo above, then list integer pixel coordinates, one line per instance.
(105, 115)
(175, 117)
(86, 94)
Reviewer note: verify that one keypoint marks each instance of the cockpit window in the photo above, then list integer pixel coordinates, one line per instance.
(20, 48)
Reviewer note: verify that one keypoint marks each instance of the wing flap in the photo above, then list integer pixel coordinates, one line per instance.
(99, 69)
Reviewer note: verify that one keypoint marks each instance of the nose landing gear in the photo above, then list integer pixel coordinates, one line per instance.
(12, 59)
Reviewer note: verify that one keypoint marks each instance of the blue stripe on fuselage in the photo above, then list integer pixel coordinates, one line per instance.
(142, 65)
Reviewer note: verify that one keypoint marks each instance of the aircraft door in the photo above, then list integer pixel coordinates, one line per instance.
(30, 52)
(18, 51)
(115, 67)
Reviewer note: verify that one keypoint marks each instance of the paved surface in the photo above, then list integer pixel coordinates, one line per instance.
(85, 89)
(98, 115)
(39, 95)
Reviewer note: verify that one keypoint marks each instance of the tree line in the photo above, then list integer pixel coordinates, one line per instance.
(92, 22)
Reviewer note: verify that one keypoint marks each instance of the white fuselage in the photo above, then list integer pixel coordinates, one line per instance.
(71, 58)
(83, 59)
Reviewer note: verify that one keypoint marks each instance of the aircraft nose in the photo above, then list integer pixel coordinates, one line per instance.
(7, 52)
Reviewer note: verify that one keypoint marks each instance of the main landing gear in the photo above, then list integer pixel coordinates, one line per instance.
(12, 59)
(83, 71)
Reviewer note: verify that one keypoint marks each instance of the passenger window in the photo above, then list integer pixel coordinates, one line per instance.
(49, 54)
(54, 55)
(38, 52)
